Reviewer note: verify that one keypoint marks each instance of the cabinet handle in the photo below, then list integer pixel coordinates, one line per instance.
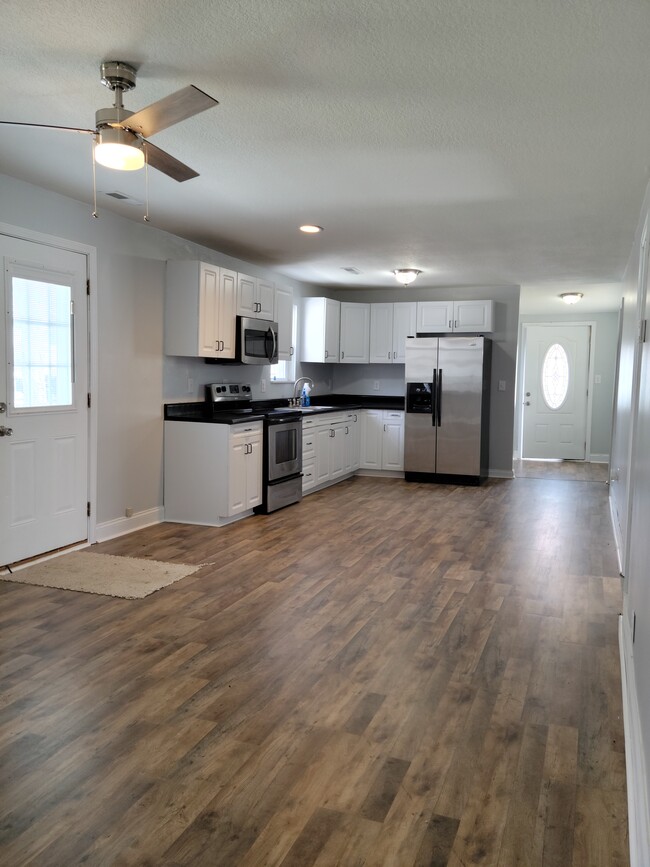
(332, 433)
(347, 430)
(384, 428)
(456, 323)
(326, 354)
(290, 351)
(450, 324)
(342, 354)
(388, 356)
(394, 355)
(355, 417)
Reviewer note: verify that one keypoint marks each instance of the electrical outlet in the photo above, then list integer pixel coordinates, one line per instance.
(502, 385)
(263, 385)
(190, 385)
(598, 379)
(375, 385)
(128, 512)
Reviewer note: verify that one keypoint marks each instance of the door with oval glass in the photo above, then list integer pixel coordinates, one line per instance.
(556, 385)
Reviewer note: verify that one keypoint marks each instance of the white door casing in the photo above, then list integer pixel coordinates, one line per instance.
(44, 343)
(555, 424)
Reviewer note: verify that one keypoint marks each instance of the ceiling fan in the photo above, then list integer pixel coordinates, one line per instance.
(121, 135)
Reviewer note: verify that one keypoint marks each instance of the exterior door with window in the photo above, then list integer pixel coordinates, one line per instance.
(556, 371)
(43, 397)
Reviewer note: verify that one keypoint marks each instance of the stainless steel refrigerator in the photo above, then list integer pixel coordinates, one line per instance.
(446, 432)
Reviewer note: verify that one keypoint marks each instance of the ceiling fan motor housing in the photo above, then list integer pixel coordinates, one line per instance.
(117, 75)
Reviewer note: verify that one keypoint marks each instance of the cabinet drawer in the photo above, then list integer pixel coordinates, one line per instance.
(308, 446)
(246, 432)
(393, 415)
(308, 475)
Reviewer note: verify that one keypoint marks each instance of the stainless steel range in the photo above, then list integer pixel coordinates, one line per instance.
(282, 465)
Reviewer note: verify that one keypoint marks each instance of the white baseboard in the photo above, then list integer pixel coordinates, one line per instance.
(637, 792)
(599, 459)
(386, 474)
(122, 526)
(618, 541)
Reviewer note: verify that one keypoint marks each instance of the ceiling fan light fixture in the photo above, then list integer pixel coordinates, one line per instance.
(119, 149)
(571, 297)
(310, 229)
(406, 275)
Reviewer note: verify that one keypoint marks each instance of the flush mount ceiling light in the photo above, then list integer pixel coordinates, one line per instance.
(308, 229)
(571, 297)
(119, 149)
(406, 275)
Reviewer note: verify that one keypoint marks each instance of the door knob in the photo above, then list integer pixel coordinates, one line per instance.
(5, 431)
(3, 406)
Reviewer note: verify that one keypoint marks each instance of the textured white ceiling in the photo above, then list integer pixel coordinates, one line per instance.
(485, 142)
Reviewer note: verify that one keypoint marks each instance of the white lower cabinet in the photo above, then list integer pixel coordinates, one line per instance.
(213, 472)
(330, 448)
(382, 441)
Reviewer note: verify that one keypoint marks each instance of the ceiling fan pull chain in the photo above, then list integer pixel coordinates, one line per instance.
(146, 183)
(95, 214)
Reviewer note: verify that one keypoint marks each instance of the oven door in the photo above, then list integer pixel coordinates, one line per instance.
(284, 441)
(258, 341)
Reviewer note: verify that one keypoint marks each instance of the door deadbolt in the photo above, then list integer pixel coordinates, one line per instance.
(3, 407)
(5, 431)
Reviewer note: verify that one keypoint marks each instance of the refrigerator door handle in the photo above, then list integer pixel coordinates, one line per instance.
(439, 398)
(434, 380)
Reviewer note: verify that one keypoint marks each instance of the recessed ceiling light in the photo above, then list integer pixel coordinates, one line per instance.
(571, 297)
(311, 230)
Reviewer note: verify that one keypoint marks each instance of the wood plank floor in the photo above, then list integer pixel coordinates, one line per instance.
(570, 471)
(386, 674)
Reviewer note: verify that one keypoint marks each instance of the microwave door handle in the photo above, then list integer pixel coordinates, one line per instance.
(270, 333)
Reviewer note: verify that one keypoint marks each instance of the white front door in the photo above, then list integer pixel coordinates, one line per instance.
(43, 398)
(556, 374)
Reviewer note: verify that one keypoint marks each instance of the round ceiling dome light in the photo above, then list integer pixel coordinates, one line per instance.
(309, 229)
(119, 149)
(571, 297)
(406, 275)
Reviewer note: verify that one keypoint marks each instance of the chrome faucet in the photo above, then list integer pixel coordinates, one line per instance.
(302, 380)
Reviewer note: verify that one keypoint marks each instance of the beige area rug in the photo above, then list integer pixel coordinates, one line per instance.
(106, 574)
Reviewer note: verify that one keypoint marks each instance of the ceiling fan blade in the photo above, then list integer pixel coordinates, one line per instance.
(170, 110)
(47, 126)
(168, 164)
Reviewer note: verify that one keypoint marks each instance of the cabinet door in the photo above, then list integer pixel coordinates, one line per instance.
(337, 450)
(332, 326)
(237, 486)
(227, 313)
(352, 452)
(372, 431)
(393, 441)
(355, 333)
(265, 300)
(381, 333)
(254, 472)
(472, 316)
(404, 325)
(209, 311)
(434, 316)
(322, 457)
(283, 315)
(246, 296)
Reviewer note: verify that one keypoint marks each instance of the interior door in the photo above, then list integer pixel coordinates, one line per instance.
(556, 371)
(43, 397)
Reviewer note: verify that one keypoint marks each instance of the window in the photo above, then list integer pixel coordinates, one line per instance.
(555, 376)
(285, 371)
(42, 344)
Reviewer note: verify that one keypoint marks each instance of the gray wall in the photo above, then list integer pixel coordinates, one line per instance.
(360, 378)
(604, 365)
(134, 378)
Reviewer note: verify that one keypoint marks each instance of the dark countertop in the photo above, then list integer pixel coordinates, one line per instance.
(320, 404)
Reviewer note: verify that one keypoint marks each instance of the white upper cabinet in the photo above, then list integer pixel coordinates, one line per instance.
(434, 317)
(355, 333)
(199, 310)
(283, 315)
(320, 329)
(473, 316)
(390, 325)
(255, 297)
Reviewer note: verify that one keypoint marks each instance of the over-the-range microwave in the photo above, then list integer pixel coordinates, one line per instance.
(256, 342)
